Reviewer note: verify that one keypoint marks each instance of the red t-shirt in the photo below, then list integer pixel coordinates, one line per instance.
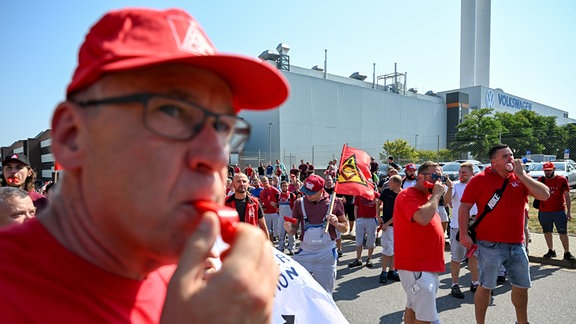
(504, 224)
(366, 207)
(416, 247)
(268, 195)
(557, 202)
(43, 282)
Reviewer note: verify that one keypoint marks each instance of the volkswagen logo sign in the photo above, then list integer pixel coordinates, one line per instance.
(490, 98)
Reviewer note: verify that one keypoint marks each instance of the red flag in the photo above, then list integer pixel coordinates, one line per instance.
(57, 166)
(354, 177)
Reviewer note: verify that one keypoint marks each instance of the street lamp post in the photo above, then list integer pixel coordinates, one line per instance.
(416, 141)
(270, 140)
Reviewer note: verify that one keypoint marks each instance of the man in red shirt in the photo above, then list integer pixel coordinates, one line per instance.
(150, 95)
(269, 201)
(419, 243)
(247, 206)
(366, 214)
(500, 233)
(555, 210)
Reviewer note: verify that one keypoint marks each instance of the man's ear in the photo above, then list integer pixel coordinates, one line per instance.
(66, 122)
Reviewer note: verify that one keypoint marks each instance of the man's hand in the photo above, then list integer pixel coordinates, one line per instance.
(242, 291)
(438, 188)
(332, 219)
(465, 240)
(449, 183)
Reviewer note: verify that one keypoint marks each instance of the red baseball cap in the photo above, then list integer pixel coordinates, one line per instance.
(411, 166)
(312, 184)
(548, 166)
(134, 38)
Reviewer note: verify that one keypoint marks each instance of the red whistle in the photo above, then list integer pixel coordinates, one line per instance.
(428, 184)
(291, 220)
(10, 180)
(471, 251)
(228, 217)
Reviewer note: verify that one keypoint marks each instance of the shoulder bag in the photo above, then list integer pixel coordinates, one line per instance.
(490, 205)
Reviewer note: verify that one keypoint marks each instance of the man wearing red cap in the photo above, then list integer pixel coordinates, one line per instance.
(317, 251)
(409, 179)
(555, 211)
(150, 96)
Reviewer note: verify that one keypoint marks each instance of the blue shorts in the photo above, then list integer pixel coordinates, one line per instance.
(492, 255)
(548, 219)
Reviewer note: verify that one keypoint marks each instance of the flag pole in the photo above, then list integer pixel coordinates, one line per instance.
(329, 211)
(333, 195)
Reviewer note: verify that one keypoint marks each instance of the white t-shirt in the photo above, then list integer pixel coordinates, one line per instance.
(457, 192)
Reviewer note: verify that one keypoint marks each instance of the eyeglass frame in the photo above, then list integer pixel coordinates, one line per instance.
(435, 176)
(144, 98)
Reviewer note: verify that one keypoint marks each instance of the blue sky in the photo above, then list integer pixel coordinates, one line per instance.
(532, 45)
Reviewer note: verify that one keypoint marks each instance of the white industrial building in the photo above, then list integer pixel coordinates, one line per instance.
(325, 111)
(322, 114)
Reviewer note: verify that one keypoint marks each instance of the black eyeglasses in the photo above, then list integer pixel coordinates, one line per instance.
(181, 120)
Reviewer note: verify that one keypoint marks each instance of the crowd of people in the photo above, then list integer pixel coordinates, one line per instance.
(137, 89)
(419, 205)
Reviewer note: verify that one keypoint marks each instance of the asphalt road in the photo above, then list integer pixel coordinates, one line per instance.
(362, 299)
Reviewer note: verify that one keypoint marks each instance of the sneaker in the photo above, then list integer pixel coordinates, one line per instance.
(550, 254)
(473, 287)
(569, 257)
(382, 278)
(369, 264)
(340, 253)
(393, 275)
(500, 280)
(355, 263)
(290, 252)
(456, 292)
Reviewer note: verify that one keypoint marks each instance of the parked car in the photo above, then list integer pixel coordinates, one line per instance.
(565, 169)
(451, 169)
(528, 166)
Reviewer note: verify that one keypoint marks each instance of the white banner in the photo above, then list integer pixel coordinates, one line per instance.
(299, 298)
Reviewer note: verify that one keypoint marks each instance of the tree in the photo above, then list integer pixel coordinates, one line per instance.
(399, 149)
(517, 133)
(445, 155)
(427, 155)
(477, 133)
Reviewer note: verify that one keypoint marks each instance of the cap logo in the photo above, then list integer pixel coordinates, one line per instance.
(310, 186)
(14, 156)
(189, 36)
